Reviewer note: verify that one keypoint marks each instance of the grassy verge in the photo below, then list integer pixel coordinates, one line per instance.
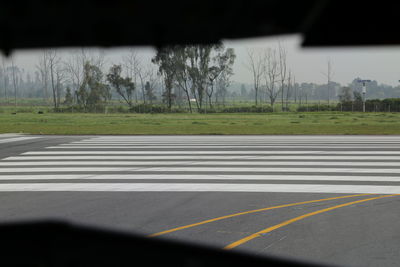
(276, 123)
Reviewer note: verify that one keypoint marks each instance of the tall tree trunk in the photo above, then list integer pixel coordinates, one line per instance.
(188, 99)
(54, 89)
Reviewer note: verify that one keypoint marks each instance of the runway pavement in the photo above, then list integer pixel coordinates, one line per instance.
(330, 199)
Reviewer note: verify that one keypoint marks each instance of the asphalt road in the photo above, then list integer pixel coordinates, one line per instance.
(328, 199)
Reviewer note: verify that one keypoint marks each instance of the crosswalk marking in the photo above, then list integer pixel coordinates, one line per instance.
(17, 139)
(200, 157)
(194, 152)
(197, 169)
(287, 164)
(212, 152)
(299, 177)
(319, 147)
(301, 164)
(194, 187)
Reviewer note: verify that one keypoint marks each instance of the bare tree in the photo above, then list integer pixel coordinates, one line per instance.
(132, 64)
(282, 71)
(271, 75)
(143, 75)
(289, 89)
(60, 77)
(5, 79)
(15, 79)
(328, 76)
(152, 80)
(54, 65)
(98, 59)
(223, 82)
(43, 69)
(74, 68)
(255, 66)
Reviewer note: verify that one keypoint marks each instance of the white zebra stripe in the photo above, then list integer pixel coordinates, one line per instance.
(196, 169)
(199, 163)
(199, 157)
(107, 152)
(17, 139)
(318, 147)
(199, 177)
(202, 187)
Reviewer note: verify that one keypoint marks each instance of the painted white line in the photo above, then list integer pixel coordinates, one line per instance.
(200, 163)
(17, 139)
(199, 157)
(48, 177)
(356, 138)
(184, 187)
(114, 157)
(237, 141)
(68, 169)
(200, 177)
(195, 169)
(319, 147)
(94, 152)
(198, 152)
(216, 143)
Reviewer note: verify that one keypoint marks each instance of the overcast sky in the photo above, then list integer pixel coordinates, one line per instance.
(381, 64)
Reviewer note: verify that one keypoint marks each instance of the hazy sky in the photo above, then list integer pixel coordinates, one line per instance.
(381, 64)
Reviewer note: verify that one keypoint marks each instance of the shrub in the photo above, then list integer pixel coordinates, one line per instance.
(251, 109)
(145, 108)
(316, 108)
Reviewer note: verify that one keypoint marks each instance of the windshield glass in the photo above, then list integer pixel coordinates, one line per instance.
(253, 145)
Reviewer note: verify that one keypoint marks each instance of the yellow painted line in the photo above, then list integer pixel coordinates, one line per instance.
(249, 212)
(272, 228)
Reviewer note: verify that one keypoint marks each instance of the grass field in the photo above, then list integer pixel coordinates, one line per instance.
(276, 123)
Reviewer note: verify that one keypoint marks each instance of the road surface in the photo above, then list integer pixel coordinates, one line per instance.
(328, 199)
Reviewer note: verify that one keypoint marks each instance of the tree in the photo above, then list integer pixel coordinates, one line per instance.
(43, 68)
(164, 58)
(282, 71)
(51, 65)
(182, 77)
(358, 100)
(328, 76)
(151, 85)
(5, 79)
(149, 92)
(345, 94)
(15, 79)
(243, 91)
(69, 99)
(74, 68)
(255, 65)
(132, 64)
(222, 64)
(223, 83)
(289, 89)
(93, 92)
(124, 86)
(144, 76)
(271, 74)
(198, 70)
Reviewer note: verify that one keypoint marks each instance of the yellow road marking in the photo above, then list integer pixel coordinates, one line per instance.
(272, 228)
(250, 211)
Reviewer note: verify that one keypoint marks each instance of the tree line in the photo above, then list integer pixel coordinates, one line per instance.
(196, 77)
(193, 75)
